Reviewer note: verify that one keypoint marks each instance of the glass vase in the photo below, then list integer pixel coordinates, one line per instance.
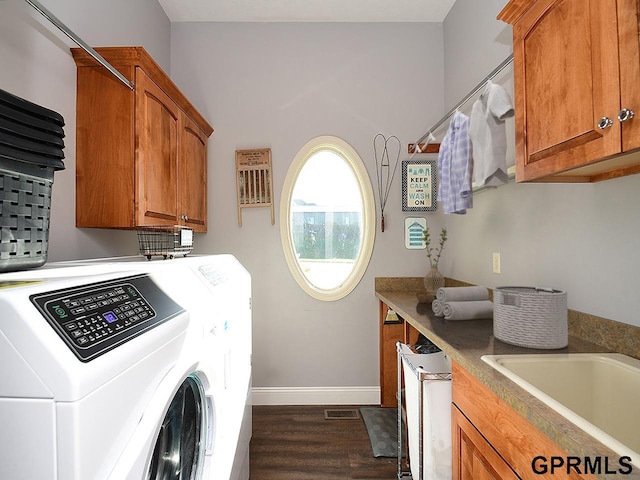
(433, 280)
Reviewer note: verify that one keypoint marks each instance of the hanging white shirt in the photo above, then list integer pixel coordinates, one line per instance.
(488, 136)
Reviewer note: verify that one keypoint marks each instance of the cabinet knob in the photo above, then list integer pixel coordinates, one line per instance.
(605, 122)
(625, 114)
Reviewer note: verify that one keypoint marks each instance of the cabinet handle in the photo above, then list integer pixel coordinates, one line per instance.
(605, 122)
(625, 114)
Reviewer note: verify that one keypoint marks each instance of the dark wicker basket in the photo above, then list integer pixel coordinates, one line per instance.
(31, 149)
(25, 206)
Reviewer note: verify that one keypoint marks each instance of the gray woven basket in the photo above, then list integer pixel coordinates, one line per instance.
(25, 205)
(530, 317)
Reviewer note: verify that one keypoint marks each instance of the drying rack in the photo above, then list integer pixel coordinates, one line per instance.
(420, 146)
(78, 41)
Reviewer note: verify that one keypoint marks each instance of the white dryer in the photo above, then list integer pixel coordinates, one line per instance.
(148, 399)
(227, 350)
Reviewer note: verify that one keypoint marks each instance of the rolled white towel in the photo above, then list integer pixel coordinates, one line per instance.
(470, 310)
(459, 294)
(436, 306)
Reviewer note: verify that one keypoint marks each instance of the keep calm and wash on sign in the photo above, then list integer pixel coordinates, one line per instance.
(419, 186)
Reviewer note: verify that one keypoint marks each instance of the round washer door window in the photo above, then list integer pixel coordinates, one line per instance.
(179, 450)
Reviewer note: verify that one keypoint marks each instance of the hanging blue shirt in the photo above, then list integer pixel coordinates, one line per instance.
(455, 167)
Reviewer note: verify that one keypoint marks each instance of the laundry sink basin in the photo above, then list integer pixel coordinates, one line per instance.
(599, 392)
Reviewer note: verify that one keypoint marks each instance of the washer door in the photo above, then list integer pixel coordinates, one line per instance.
(180, 447)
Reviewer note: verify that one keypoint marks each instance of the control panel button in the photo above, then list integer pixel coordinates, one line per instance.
(95, 318)
(117, 307)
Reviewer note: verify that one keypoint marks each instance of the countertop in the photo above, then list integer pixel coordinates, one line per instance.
(467, 341)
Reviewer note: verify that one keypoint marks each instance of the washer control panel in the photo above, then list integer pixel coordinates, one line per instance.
(93, 319)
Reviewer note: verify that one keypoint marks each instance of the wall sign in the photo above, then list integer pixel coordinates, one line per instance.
(254, 183)
(413, 233)
(419, 185)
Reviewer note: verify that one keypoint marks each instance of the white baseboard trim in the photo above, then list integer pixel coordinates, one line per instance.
(316, 395)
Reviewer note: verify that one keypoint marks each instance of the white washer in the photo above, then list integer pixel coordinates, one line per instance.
(216, 291)
(114, 416)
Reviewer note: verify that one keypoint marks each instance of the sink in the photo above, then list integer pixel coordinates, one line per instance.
(598, 392)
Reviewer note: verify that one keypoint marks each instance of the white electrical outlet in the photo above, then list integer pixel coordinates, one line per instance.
(496, 263)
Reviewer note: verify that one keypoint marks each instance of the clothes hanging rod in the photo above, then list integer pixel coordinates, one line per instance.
(470, 95)
(64, 29)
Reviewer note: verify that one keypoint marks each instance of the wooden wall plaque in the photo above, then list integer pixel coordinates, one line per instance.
(254, 180)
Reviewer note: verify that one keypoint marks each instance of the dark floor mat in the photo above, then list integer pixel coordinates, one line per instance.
(382, 427)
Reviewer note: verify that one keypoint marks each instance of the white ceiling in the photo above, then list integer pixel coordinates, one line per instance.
(306, 10)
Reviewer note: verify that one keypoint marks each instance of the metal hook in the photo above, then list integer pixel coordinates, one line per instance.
(384, 170)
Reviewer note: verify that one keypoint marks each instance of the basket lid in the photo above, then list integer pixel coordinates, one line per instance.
(11, 127)
(13, 154)
(531, 290)
(30, 109)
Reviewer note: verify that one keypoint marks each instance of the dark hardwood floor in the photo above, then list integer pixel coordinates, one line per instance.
(298, 443)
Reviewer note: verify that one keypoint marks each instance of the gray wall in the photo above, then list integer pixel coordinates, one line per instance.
(579, 238)
(278, 86)
(36, 64)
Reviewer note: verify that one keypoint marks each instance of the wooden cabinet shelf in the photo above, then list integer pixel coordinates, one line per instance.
(141, 155)
(576, 70)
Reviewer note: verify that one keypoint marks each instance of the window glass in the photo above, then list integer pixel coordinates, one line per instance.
(327, 218)
(179, 450)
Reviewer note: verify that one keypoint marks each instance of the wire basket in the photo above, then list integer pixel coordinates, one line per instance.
(165, 241)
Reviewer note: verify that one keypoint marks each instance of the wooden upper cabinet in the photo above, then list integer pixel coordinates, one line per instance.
(157, 130)
(576, 66)
(194, 173)
(141, 155)
(629, 31)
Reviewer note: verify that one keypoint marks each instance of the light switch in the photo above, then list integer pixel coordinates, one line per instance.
(496, 263)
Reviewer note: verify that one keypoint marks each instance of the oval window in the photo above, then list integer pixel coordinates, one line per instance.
(327, 218)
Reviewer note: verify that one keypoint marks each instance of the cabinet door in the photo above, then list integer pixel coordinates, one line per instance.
(156, 133)
(473, 457)
(390, 334)
(567, 78)
(192, 185)
(629, 30)
(105, 140)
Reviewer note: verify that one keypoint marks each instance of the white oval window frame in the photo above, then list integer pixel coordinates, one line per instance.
(348, 153)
